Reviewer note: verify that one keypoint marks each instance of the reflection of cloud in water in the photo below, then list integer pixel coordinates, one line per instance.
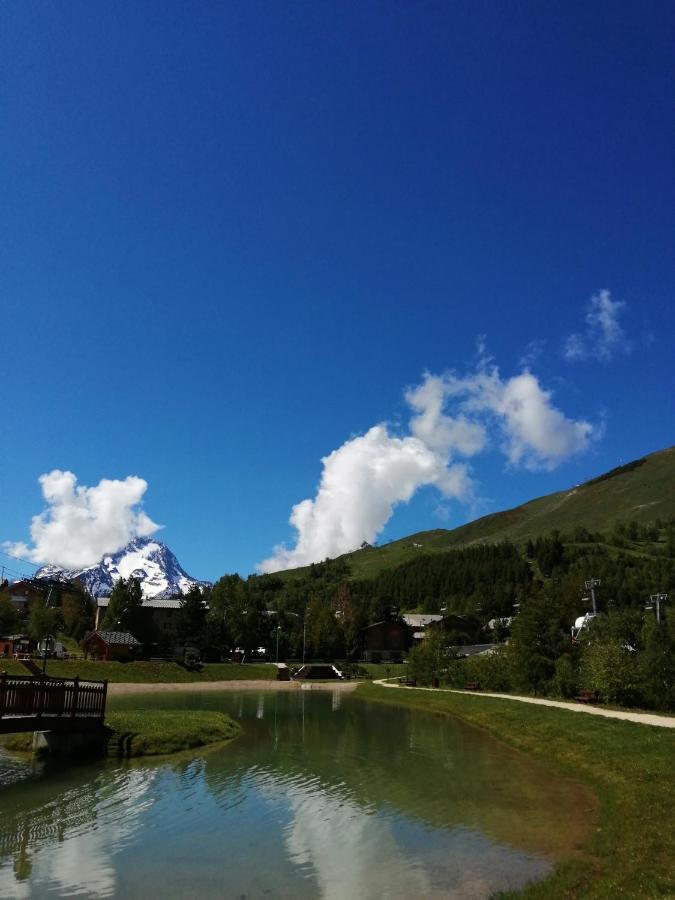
(344, 844)
(356, 851)
(75, 854)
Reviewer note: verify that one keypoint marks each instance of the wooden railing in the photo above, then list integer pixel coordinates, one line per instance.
(38, 697)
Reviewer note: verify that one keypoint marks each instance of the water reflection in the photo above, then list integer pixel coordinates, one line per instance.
(68, 813)
(323, 796)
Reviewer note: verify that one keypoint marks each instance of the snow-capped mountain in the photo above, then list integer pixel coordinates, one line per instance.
(147, 559)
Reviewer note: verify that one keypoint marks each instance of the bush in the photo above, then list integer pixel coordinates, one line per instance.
(566, 678)
(610, 668)
(493, 671)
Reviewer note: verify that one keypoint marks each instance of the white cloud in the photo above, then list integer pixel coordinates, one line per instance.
(364, 479)
(81, 524)
(435, 428)
(536, 433)
(603, 336)
(361, 483)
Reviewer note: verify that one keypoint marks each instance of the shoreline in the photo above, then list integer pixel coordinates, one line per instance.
(629, 767)
(641, 718)
(123, 688)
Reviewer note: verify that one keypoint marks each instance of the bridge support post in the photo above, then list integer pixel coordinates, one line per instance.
(69, 743)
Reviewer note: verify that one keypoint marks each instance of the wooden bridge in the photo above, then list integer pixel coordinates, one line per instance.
(38, 703)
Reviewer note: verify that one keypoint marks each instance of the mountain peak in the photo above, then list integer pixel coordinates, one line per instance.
(145, 558)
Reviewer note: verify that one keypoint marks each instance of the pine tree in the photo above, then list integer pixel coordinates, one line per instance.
(125, 609)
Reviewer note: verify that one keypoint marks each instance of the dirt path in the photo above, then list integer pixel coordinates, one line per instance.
(641, 718)
(119, 689)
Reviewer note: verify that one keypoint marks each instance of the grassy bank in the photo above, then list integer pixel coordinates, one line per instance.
(151, 732)
(631, 768)
(147, 672)
(156, 732)
(17, 743)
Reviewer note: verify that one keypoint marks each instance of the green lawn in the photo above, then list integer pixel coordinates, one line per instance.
(12, 667)
(631, 767)
(384, 670)
(156, 732)
(147, 672)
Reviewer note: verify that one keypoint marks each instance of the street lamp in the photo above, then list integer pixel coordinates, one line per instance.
(304, 631)
(46, 646)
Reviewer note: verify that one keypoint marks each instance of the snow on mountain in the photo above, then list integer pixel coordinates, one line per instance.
(147, 559)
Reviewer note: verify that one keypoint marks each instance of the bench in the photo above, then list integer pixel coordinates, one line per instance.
(472, 686)
(587, 697)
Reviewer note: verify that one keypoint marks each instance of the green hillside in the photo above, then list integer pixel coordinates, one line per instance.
(642, 491)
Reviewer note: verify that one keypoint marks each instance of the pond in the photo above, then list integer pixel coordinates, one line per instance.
(324, 795)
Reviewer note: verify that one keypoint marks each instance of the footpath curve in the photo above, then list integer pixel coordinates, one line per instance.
(640, 718)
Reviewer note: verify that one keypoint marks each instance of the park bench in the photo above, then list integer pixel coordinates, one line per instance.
(587, 697)
(473, 686)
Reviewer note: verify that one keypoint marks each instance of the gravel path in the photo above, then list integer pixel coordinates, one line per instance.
(641, 718)
(118, 689)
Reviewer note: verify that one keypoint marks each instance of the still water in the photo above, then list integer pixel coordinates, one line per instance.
(324, 795)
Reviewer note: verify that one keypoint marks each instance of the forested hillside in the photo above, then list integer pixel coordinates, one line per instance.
(641, 491)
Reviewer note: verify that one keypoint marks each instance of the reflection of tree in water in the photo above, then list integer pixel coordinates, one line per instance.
(438, 770)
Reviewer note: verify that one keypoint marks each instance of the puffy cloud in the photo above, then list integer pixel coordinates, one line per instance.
(364, 479)
(436, 429)
(361, 483)
(81, 524)
(534, 432)
(603, 335)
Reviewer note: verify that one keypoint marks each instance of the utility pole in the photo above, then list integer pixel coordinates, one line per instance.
(656, 600)
(591, 585)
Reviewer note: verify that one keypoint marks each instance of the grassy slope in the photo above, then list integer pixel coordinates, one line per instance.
(146, 672)
(644, 494)
(631, 767)
(155, 732)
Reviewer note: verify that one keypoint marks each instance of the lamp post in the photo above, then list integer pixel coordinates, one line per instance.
(278, 630)
(304, 631)
(47, 644)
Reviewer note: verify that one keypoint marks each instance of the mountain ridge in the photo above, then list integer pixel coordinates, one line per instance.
(643, 490)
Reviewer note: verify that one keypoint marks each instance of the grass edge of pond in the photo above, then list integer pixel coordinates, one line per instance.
(162, 732)
(630, 767)
(133, 734)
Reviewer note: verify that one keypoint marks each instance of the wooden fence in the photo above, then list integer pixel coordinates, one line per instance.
(34, 697)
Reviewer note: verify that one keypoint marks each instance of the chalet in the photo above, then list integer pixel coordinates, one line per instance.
(162, 611)
(385, 641)
(21, 593)
(14, 644)
(418, 623)
(111, 645)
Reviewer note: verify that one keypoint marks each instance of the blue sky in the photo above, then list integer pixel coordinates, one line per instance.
(234, 234)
